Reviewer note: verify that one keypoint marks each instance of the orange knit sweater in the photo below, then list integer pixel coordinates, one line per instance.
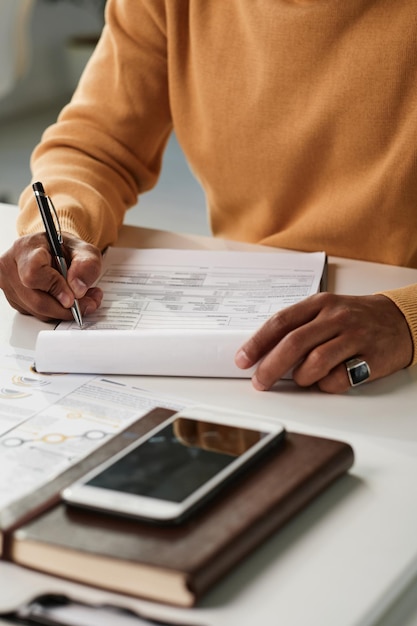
(299, 118)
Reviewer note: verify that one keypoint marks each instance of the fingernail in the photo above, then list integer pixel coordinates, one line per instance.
(79, 287)
(257, 384)
(64, 299)
(242, 360)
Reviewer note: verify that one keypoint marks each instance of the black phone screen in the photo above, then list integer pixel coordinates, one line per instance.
(178, 459)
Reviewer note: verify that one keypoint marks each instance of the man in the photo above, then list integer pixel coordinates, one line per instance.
(299, 119)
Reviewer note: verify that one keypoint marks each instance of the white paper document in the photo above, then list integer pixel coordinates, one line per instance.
(179, 312)
(49, 422)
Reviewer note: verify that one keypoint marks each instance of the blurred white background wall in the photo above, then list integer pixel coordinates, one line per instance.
(34, 48)
(43, 81)
(15, 17)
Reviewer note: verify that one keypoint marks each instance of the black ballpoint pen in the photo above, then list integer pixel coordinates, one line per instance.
(54, 239)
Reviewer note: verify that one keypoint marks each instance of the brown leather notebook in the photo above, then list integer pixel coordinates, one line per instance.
(177, 564)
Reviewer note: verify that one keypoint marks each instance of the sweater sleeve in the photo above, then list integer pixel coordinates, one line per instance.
(406, 300)
(107, 145)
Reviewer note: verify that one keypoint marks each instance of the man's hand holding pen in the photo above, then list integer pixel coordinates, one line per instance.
(47, 274)
(55, 240)
(33, 285)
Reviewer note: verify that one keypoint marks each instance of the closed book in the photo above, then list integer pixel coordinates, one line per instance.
(34, 504)
(177, 564)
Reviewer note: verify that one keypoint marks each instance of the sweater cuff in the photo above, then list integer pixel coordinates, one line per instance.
(406, 300)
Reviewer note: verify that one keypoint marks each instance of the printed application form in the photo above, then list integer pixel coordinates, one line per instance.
(200, 289)
(167, 301)
(48, 423)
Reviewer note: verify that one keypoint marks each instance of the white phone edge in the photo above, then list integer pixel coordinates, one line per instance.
(152, 509)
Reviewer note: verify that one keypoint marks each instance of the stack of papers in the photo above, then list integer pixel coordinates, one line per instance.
(179, 312)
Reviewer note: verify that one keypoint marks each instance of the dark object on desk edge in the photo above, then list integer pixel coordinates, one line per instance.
(59, 610)
(177, 565)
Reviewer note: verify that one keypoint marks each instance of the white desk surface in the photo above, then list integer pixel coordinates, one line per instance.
(348, 557)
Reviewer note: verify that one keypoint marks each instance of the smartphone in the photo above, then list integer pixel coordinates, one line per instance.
(177, 466)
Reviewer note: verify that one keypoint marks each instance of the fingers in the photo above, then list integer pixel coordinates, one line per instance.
(286, 339)
(85, 265)
(337, 381)
(33, 286)
(36, 274)
(316, 337)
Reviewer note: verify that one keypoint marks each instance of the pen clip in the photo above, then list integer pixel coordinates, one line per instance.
(56, 219)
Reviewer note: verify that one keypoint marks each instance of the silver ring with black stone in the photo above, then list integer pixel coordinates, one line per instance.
(358, 371)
